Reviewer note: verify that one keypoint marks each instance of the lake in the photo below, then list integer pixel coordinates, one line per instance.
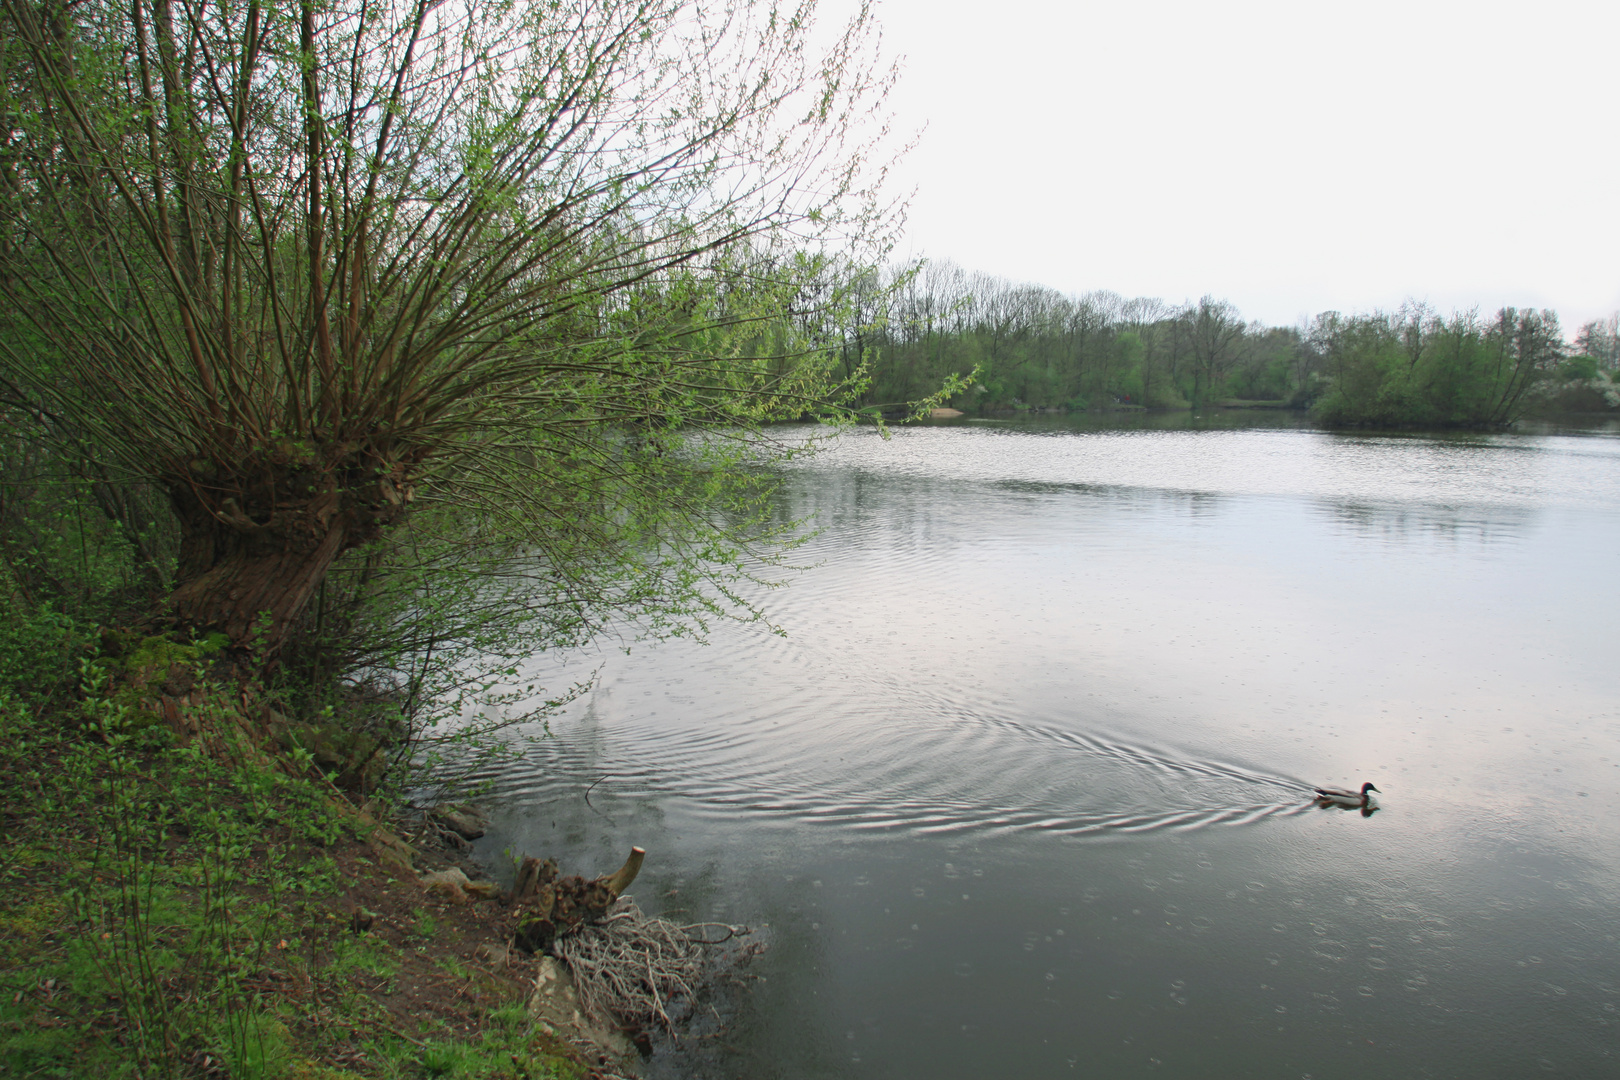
(1024, 790)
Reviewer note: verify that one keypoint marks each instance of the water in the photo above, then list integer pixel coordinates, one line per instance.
(1023, 791)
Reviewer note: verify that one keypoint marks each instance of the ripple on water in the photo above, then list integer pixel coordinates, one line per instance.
(931, 768)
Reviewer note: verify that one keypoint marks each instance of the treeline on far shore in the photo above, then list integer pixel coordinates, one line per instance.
(1037, 349)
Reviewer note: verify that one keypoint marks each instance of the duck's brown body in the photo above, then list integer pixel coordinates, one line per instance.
(1344, 796)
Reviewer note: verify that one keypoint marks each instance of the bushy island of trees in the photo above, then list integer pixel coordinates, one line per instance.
(1034, 348)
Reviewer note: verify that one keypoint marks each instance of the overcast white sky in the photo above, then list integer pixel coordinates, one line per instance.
(1288, 156)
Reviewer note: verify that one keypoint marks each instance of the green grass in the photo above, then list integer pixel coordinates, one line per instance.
(165, 911)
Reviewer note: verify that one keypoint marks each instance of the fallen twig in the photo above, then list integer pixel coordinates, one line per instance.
(594, 810)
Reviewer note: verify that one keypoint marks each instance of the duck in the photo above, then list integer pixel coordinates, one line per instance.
(1332, 796)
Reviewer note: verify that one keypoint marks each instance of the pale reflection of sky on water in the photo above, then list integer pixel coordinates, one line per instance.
(1022, 790)
(1498, 471)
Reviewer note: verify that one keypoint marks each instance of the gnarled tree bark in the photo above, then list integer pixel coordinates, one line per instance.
(253, 554)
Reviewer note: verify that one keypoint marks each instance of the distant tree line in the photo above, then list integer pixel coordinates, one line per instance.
(1035, 348)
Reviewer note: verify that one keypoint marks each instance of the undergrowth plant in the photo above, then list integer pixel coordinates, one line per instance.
(176, 911)
(177, 945)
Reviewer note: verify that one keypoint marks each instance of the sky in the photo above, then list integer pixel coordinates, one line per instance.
(1290, 157)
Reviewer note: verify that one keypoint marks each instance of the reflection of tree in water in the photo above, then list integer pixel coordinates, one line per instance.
(1480, 527)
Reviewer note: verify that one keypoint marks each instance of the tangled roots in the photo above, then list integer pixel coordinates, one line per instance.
(634, 969)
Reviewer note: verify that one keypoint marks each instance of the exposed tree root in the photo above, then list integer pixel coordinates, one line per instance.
(633, 969)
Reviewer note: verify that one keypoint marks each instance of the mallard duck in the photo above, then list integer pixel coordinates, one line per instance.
(1344, 796)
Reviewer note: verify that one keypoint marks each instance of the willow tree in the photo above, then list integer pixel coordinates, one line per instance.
(303, 263)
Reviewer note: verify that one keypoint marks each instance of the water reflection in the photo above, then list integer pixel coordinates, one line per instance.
(1440, 471)
(1401, 524)
(1026, 788)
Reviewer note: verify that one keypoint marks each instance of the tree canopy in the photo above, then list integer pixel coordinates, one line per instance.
(305, 265)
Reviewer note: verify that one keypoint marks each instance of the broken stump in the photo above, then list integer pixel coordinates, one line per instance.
(556, 906)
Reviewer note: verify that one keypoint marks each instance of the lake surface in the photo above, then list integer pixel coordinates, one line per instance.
(1024, 789)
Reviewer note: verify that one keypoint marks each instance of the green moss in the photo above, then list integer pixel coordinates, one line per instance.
(137, 667)
(24, 928)
(32, 920)
(158, 654)
(304, 1069)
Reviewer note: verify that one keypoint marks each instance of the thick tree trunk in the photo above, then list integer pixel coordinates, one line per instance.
(259, 585)
(251, 573)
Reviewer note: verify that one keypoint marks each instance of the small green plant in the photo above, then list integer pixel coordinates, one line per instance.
(424, 925)
(115, 902)
(38, 647)
(441, 1059)
(510, 1016)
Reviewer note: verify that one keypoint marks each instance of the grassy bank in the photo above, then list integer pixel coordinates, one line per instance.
(206, 910)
